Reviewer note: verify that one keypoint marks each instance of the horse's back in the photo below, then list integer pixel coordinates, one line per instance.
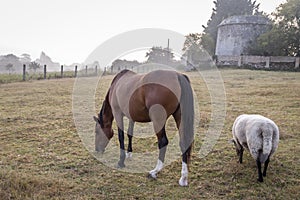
(134, 94)
(162, 87)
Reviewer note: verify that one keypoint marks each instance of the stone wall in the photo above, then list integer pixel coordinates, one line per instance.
(261, 62)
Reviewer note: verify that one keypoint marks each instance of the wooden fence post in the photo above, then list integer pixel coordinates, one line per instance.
(268, 62)
(75, 71)
(45, 71)
(297, 62)
(240, 62)
(61, 71)
(24, 72)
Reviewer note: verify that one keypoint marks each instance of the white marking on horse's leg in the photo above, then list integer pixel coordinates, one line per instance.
(183, 181)
(129, 155)
(157, 169)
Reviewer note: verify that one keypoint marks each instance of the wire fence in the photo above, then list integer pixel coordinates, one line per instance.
(43, 74)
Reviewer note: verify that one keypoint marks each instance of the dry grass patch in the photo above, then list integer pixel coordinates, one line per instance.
(42, 157)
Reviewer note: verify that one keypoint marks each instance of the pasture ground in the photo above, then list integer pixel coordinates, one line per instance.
(42, 157)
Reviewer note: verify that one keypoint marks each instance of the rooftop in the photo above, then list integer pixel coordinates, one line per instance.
(245, 19)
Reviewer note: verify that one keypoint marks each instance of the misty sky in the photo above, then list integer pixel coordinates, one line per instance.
(68, 31)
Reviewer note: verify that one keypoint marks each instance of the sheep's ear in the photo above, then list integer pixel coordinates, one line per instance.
(96, 119)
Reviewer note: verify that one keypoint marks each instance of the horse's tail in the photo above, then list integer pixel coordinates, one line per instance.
(187, 114)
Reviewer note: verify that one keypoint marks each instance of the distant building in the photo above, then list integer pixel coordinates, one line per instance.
(46, 60)
(119, 65)
(237, 32)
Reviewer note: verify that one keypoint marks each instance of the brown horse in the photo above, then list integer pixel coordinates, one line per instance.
(144, 98)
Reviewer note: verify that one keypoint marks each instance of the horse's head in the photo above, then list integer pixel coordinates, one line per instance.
(103, 133)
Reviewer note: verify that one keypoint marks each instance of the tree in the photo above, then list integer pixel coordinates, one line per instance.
(25, 58)
(11, 56)
(191, 39)
(283, 37)
(160, 55)
(9, 67)
(193, 50)
(34, 66)
(224, 9)
(10, 59)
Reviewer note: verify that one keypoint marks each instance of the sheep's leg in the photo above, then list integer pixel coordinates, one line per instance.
(241, 151)
(266, 166)
(260, 177)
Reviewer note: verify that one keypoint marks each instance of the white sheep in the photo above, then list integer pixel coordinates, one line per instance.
(259, 135)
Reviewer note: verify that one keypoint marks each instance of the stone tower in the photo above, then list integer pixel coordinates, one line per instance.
(237, 32)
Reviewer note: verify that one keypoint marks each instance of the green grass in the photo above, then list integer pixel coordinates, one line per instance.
(42, 157)
(10, 78)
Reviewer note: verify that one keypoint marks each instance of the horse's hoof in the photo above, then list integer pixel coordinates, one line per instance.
(129, 155)
(260, 180)
(120, 165)
(183, 181)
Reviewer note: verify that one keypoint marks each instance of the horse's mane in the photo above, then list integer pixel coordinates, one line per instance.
(106, 103)
(100, 116)
(119, 75)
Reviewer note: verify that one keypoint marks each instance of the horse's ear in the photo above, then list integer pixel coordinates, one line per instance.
(96, 119)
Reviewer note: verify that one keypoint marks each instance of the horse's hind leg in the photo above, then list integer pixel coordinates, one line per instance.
(130, 134)
(162, 145)
(158, 116)
(186, 144)
(183, 181)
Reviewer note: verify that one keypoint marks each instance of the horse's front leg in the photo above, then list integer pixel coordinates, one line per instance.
(130, 134)
(121, 141)
(162, 145)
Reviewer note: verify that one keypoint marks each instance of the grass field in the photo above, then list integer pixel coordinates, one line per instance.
(42, 156)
